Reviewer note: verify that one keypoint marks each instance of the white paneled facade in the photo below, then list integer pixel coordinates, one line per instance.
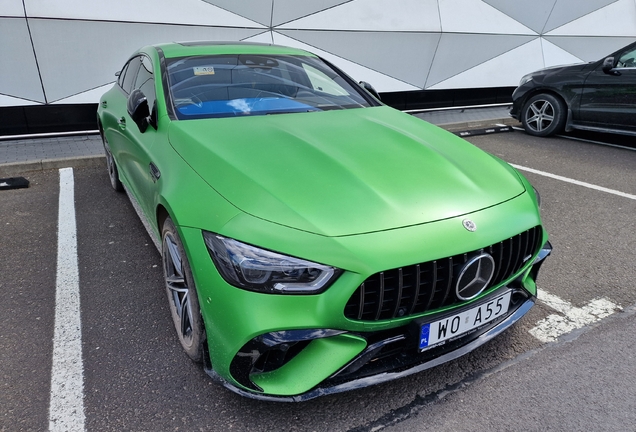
(67, 51)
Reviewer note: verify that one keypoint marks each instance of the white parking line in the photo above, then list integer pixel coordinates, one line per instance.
(576, 182)
(66, 409)
(569, 317)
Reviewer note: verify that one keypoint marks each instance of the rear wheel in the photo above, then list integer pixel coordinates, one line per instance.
(543, 115)
(182, 294)
(111, 166)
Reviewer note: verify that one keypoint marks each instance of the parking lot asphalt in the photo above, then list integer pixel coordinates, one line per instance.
(136, 378)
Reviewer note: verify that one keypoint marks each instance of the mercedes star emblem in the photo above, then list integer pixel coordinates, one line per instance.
(469, 225)
(475, 276)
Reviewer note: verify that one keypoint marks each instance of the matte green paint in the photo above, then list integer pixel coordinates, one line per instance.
(342, 172)
(321, 359)
(363, 190)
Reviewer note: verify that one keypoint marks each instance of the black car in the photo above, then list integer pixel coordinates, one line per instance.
(598, 96)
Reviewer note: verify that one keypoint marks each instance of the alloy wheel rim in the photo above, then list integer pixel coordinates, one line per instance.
(110, 165)
(177, 287)
(542, 115)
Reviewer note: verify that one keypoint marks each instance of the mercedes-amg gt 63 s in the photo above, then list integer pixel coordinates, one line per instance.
(313, 239)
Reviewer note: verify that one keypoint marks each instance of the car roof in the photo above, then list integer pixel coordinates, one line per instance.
(185, 49)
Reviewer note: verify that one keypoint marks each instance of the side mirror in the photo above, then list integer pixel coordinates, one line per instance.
(608, 66)
(138, 110)
(368, 87)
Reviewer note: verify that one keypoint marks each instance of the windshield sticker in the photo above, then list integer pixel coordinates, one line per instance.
(204, 70)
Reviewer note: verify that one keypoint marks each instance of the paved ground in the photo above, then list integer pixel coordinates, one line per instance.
(136, 378)
(584, 383)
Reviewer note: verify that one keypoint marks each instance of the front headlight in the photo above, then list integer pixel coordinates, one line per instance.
(525, 79)
(255, 269)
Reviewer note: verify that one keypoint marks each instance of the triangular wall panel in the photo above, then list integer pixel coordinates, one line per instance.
(290, 10)
(260, 11)
(459, 52)
(532, 14)
(617, 19)
(496, 72)
(374, 15)
(18, 69)
(265, 37)
(7, 101)
(356, 71)
(590, 48)
(403, 56)
(556, 56)
(89, 96)
(66, 72)
(12, 8)
(490, 19)
(194, 12)
(566, 11)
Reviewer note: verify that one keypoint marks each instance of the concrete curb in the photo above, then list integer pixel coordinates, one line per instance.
(480, 124)
(14, 168)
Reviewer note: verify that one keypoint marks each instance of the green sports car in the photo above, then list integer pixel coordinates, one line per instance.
(313, 239)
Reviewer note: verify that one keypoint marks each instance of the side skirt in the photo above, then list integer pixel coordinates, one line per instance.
(143, 219)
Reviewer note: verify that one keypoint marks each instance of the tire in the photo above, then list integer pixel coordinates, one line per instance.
(111, 166)
(182, 294)
(543, 115)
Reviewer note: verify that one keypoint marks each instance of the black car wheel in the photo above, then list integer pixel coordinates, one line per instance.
(111, 166)
(182, 294)
(543, 115)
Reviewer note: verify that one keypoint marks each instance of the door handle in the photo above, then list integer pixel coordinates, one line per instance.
(154, 172)
(122, 123)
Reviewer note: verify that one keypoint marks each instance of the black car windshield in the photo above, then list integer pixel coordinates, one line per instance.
(241, 85)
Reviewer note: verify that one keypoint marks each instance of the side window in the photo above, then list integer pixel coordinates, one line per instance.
(131, 74)
(122, 74)
(627, 59)
(145, 81)
(321, 82)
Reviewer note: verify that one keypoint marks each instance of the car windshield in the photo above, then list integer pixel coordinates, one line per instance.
(241, 85)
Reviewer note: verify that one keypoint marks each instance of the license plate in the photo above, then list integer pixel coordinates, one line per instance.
(455, 325)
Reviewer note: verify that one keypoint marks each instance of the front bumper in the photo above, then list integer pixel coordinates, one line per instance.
(374, 357)
(519, 97)
(404, 362)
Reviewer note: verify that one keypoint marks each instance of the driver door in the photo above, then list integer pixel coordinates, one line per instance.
(609, 99)
(135, 156)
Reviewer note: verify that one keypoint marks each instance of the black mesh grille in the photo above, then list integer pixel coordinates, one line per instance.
(431, 285)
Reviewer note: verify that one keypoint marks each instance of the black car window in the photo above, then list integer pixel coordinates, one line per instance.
(145, 80)
(627, 59)
(131, 74)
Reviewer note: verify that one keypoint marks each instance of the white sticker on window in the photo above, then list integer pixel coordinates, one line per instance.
(204, 70)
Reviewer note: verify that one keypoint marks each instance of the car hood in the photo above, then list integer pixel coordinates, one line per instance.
(343, 172)
(576, 67)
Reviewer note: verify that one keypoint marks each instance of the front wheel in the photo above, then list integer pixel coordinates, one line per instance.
(543, 115)
(182, 293)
